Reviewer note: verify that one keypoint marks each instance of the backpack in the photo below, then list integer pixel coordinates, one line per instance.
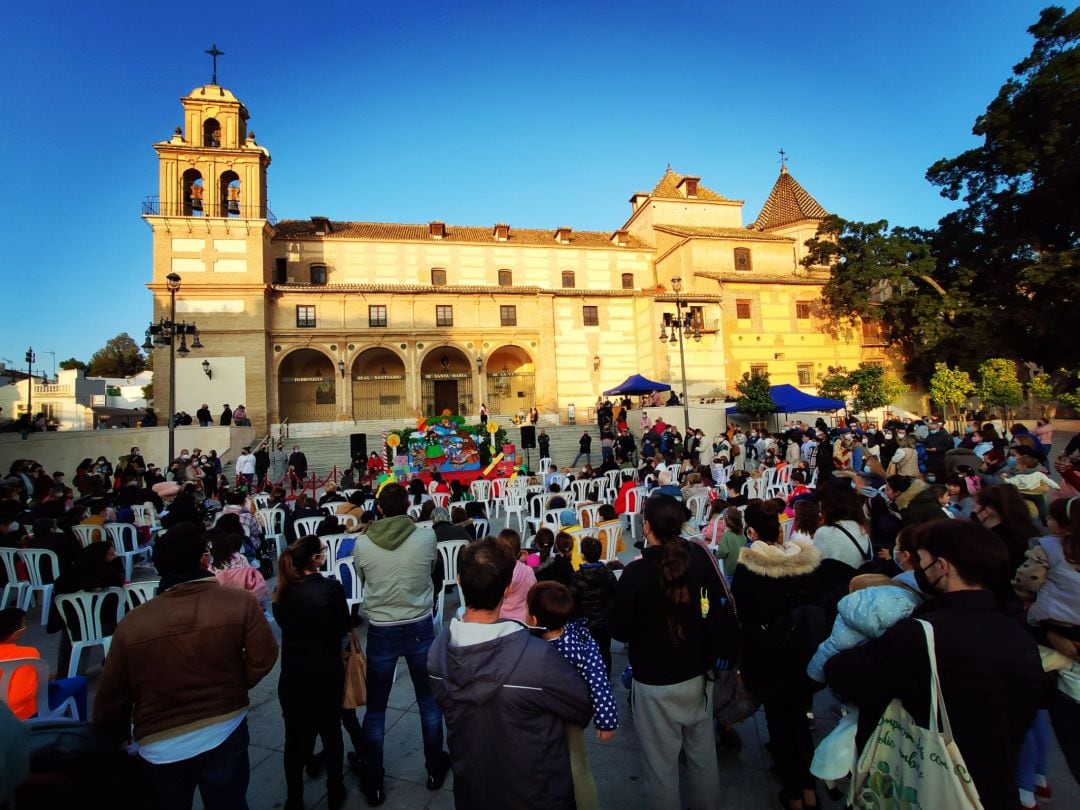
(721, 630)
(794, 636)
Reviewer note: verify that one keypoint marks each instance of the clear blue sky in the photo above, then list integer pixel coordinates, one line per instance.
(533, 113)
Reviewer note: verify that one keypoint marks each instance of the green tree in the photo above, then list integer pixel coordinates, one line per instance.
(999, 387)
(119, 357)
(950, 388)
(835, 383)
(873, 387)
(754, 398)
(1040, 389)
(1014, 240)
(72, 363)
(148, 394)
(1071, 399)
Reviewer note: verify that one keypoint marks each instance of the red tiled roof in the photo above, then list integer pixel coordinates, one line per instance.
(722, 233)
(668, 188)
(788, 202)
(396, 232)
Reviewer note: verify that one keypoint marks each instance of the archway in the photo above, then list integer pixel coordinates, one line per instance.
(378, 385)
(192, 193)
(511, 380)
(229, 194)
(306, 387)
(446, 381)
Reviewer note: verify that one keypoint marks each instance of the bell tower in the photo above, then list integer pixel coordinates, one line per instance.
(212, 167)
(213, 229)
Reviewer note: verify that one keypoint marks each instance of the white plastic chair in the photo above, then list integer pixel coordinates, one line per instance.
(272, 523)
(481, 491)
(146, 515)
(87, 534)
(348, 521)
(13, 586)
(84, 614)
(787, 526)
(545, 466)
(609, 534)
(537, 504)
(697, 505)
(125, 541)
(8, 668)
(588, 514)
(333, 544)
(349, 577)
(480, 528)
(43, 567)
(582, 489)
(139, 593)
(261, 500)
(514, 506)
(448, 550)
(307, 525)
(550, 520)
(441, 499)
(635, 500)
(414, 511)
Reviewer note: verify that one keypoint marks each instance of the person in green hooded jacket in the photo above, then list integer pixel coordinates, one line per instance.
(395, 558)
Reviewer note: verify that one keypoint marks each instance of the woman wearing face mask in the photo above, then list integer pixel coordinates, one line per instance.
(888, 447)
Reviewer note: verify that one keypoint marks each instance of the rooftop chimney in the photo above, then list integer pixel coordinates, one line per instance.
(619, 237)
(437, 229)
(502, 232)
(562, 235)
(688, 186)
(322, 225)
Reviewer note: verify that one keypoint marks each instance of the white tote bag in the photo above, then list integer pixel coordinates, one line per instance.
(904, 765)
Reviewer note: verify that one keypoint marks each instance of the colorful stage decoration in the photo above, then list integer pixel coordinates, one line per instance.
(441, 443)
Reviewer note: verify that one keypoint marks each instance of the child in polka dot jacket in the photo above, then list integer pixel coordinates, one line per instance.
(550, 608)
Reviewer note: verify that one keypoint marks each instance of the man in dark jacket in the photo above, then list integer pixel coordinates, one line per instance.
(937, 443)
(988, 664)
(226, 416)
(505, 695)
(584, 449)
(206, 419)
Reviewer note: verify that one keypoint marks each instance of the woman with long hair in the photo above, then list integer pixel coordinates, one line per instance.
(661, 607)
(1002, 509)
(314, 619)
(772, 578)
(807, 519)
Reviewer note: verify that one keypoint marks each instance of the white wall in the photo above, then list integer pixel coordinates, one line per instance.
(193, 387)
(64, 451)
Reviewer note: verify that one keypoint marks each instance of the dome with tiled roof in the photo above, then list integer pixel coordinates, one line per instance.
(788, 203)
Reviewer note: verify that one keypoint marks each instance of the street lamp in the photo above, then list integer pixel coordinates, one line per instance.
(164, 333)
(678, 324)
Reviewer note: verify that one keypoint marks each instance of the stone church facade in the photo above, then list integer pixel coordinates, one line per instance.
(328, 322)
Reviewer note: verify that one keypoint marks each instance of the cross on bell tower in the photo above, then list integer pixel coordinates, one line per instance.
(214, 54)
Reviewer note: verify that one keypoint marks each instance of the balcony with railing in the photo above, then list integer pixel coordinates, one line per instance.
(153, 207)
(53, 390)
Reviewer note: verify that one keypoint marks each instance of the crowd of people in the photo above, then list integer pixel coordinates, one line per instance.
(761, 598)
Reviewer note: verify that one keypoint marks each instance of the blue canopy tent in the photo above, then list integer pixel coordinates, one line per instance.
(790, 399)
(636, 384)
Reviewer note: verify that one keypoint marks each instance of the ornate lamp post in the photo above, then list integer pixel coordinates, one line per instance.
(678, 324)
(165, 333)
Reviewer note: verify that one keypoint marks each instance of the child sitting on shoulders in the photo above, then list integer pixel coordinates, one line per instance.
(550, 608)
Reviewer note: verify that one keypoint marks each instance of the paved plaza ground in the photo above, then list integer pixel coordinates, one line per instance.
(746, 778)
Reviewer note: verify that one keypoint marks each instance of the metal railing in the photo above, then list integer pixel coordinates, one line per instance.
(153, 207)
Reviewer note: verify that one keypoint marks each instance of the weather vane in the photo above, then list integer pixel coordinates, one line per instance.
(214, 54)
(783, 157)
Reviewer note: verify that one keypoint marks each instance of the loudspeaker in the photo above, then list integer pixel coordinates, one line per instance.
(528, 437)
(358, 445)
